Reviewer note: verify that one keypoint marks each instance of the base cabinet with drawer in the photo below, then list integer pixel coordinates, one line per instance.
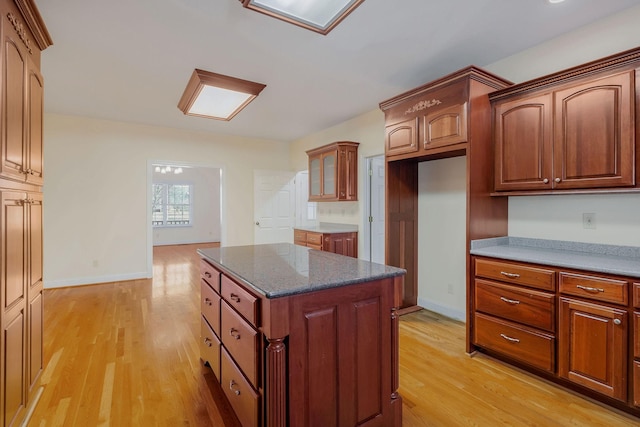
(337, 243)
(294, 360)
(578, 328)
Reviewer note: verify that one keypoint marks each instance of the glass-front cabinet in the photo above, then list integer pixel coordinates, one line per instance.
(333, 172)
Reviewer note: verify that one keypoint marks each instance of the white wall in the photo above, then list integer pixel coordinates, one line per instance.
(442, 239)
(560, 217)
(95, 193)
(205, 224)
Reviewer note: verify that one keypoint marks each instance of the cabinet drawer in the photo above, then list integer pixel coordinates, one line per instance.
(636, 334)
(242, 342)
(299, 237)
(636, 295)
(244, 400)
(524, 344)
(516, 273)
(316, 247)
(210, 305)
(209, 347)
(314, 238)
(594, 287)
(210, 274)
(532, 308)
(240, 299)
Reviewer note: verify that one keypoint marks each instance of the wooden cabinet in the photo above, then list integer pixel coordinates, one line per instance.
(333, 172)
(445, 118)
(338, 243)
(592, 349)
(573, 130)
(294, 360)
(579, 327)
(24, 36)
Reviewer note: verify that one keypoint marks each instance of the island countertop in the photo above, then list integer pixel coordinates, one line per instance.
(282, 269)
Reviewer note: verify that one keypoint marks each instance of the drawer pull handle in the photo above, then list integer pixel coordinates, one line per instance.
(235, 390)
(208, 301)
(590, 289)
(207, 342)
(617, 322)
(234, 297)
(512, 275)
(515, 340)
(234, 333)
(207, 275)
(510, 301)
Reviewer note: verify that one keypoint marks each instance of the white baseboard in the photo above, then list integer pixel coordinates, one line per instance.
(79, 281)
(185, 242)
(442, 309)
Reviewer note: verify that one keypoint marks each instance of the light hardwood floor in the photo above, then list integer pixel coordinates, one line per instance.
(127, 354)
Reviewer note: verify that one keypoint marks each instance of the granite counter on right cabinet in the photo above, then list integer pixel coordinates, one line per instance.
(567, 311)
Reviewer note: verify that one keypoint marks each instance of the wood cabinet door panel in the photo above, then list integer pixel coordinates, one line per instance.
(36, 307)
(636, 383)
(315, 187)
(523, 143)
(636, 295)
(402, 137)
(13, 346)
(592, 347)
(13, 137)
(531, 308)
(594, 143)
(446, 126)
(14, 259)
(329, 174)
(35, 242)
(636, 334)
(527, 345)
(34, 153)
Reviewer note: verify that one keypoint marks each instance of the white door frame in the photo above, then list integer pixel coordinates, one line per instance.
(223, 199)
(367, 244)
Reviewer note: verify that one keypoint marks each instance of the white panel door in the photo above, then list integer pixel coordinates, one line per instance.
(274, 206)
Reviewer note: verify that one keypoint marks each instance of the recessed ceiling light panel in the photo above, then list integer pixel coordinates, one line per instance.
(316, 15)
(217, 96)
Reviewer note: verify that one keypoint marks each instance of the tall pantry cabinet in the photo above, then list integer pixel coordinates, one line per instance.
(24, 36)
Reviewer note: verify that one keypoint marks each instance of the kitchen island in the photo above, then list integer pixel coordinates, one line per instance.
(300, 337)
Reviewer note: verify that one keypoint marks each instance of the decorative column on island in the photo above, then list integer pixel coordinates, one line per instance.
(302, 337)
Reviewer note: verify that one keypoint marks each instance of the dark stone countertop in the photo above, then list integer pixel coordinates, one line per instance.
(282, 269)
(601, 258)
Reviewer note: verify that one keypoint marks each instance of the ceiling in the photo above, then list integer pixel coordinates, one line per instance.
(130, 60)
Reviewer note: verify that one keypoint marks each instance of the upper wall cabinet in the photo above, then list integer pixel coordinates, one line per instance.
(574, 130)
(333, 172)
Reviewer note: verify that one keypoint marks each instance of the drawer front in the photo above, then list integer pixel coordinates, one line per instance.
(299, 237)
(210, 305)
(244, 400)
(636, 295)
(636, 334)
(524, 344)
(209, 347)
(636, 383)
(243, 343)
(210, 274)
(314, 238)
(594, 287)
(240, 299)
(522, 305)
(316, 247)
(516, 273)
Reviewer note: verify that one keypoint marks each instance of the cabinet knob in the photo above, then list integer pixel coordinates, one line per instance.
(232, 383)
(546, 181)
(234, 333)
(617, 321)
(207, 301)
(557, 180)
(258, 223)
(207, 342)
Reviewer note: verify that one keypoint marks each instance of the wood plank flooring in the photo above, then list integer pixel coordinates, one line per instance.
(127, 354)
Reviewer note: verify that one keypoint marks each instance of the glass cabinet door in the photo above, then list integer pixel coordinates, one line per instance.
(329, 174)
(314, 177)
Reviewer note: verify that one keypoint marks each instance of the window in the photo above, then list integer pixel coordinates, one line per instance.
(171, 205)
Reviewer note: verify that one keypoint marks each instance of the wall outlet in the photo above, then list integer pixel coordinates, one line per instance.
(589, 220)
